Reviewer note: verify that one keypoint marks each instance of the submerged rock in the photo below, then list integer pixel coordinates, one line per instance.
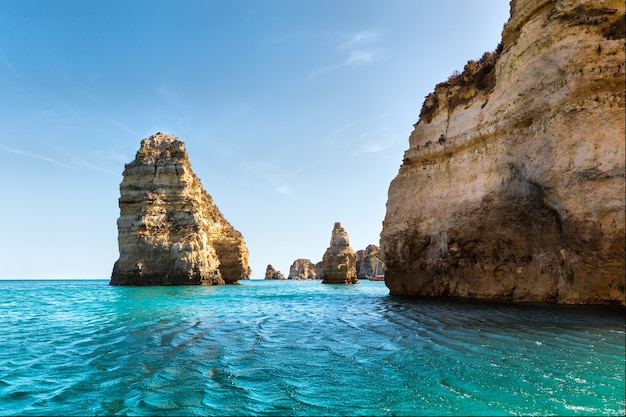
(169, 231)
(339, 261)
(302, 269)
(513, 184)
(272, 273)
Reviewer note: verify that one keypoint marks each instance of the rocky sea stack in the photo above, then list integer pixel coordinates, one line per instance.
(302, 269)
(169, 231)
(273, 273)
(339, 261)
(513, 184)
(368, 262)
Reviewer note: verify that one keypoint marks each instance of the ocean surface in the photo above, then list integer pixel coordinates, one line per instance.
(299, 348)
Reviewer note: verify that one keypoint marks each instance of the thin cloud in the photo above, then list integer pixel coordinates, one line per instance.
(284, 190)
(77, 162)
(356, 40)
(112, 154)
(284, 39)
(124, 127)
(15, 78)
(86, 164)
(344, 137)
(357, 50)
(268, 176)
(267, 186)
(360, 57)
(10, 67)
(38, 156)
(379, 146)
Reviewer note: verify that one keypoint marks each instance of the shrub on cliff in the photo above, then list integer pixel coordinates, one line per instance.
(477, 76)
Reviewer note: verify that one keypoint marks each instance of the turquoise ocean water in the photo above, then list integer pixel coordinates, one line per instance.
(299, 348)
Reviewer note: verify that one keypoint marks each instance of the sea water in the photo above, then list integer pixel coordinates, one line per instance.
(299, 348)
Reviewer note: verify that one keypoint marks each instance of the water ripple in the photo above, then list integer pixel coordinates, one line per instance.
(299, 348)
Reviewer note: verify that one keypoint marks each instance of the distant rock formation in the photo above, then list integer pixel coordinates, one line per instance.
(169, 231)
(302, 269)
(271, 273)
(513, 184)
(339, 261)
(319, 270)
(366, 262)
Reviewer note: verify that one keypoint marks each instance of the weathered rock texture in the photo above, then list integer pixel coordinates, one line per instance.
(339, 259)
(169, 231)
(272, 273)
(302, 269)
(366, 261)
(319, 270)
(513, 185)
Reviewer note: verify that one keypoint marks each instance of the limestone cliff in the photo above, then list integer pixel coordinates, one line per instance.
(367, 260)
(513, 184)
(302, 269)
(339, 259)
(169, 231)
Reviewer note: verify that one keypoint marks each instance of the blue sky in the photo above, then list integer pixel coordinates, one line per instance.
(295, 114)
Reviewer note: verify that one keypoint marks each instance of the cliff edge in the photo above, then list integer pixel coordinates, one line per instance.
(169, 231)
(513, 184)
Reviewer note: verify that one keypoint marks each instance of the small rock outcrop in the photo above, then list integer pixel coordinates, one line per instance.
(339, 261)
(512, 187)
(169, 231)
(366, 262)
(302, 269)
(272, 273)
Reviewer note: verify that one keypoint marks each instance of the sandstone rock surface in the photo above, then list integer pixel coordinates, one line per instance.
(367, 260)
(513, 184)
(339, 260)
(272, 273)
(302, 269)
(169, 231)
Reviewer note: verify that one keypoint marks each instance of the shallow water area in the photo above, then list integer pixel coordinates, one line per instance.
(299, 348)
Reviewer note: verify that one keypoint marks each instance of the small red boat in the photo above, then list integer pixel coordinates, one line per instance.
(377, 276)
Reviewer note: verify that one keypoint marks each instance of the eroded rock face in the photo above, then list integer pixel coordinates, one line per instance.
(302, 269)
(169, 231)
(272, 273)
(367, 261)
(339, 261)
(513, 185)
(319, 270)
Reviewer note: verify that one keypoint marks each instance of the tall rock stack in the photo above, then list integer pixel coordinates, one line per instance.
(169, 231)
(339, 260)
(513, 184)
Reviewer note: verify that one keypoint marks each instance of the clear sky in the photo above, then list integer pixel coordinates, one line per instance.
(295, 114)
